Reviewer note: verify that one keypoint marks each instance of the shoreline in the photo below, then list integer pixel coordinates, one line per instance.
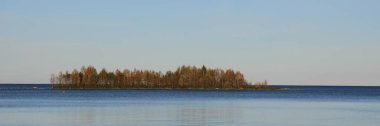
(201, 89)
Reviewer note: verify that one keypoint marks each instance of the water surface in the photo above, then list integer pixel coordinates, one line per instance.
(298, 106)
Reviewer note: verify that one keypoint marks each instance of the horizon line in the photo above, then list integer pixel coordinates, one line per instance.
(269, 84)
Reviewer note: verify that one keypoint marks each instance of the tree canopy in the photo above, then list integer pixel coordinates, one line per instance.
(185, 77)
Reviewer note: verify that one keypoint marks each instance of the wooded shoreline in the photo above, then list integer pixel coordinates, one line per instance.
(184, 78)
(99, 88)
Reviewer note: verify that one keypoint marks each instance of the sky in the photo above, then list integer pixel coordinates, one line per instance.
(287, 42)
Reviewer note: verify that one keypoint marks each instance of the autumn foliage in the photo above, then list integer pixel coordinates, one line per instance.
(185, 77)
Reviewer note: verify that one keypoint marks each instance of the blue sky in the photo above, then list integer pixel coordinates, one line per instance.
(309, 42)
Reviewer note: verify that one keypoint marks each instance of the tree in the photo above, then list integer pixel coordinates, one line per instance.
(183, 77)
(89, 76)
(119, 77)
(103, 78)
(75, 77)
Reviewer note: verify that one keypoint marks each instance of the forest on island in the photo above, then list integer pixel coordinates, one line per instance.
(185, 77)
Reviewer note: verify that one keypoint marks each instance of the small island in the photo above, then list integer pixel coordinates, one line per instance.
(185, 77)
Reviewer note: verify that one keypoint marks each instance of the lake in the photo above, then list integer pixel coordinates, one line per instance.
(23, 105)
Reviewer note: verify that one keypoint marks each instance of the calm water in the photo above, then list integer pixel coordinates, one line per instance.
(21, 105)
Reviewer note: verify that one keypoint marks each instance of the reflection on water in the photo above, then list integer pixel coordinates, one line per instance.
(190, 108)
(204, 116)
(194, 113)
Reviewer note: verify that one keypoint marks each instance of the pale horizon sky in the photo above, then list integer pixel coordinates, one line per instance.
(296, 42)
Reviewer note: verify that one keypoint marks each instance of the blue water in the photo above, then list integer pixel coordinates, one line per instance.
(297, 106)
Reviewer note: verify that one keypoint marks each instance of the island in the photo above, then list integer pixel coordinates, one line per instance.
(185, 77)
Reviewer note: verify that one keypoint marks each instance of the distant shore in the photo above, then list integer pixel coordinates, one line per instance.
(183, 78)
(96, 88)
